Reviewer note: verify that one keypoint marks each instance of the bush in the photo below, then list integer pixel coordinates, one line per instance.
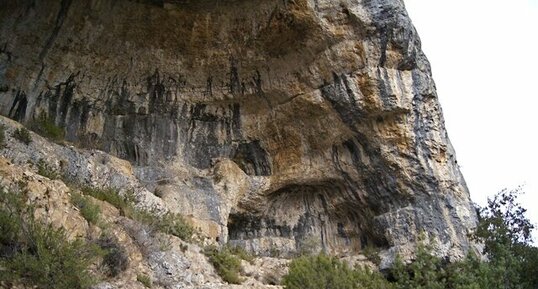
(425, 272)
(174, 224)
(321, 271)
(227, 264)
(240, 252)
(144, 279)
(115, 258)
(90, 211)
(46, 127)
(168, 223)
(35, 254)
(111, 196)
(23, 135)
(471, 273)
(46, 170)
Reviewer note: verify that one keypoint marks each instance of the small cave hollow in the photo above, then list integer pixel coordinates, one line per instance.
(307, 218)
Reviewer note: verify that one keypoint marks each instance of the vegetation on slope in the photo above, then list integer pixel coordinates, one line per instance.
(503, 229)
(33, 253)
(46, 127)
(168, 223)
(321, 271)
(225, 262)
(22, 135)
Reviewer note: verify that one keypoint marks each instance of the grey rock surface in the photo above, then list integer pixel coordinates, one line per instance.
(276, 125)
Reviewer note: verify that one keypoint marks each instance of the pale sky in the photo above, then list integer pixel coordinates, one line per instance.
(484, 58)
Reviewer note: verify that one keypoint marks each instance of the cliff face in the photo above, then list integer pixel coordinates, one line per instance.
(275, 125)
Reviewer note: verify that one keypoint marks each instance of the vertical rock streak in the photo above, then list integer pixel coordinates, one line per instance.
(278, 126)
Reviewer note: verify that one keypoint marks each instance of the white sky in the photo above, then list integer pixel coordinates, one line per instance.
(484, 57)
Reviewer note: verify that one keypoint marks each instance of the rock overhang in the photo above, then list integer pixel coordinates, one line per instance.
(323, 110)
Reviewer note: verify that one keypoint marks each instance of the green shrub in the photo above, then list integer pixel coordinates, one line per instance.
(240, 252)
(174, 224)
(512, 260)
(168, 223)
(505, 231)
(226, 264)
(428, 271)
(46, 127)
(115, 259)
(47, 170)
(23, 135)
(144, 279)
(90, 211)
(471, 273)
(111, 196)
(35, 254)
(321, 271)
(425, 272)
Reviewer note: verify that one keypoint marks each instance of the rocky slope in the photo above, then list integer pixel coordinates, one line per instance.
(273, 125)
(167, 260)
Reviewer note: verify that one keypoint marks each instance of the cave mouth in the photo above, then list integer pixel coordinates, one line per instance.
(307, 218)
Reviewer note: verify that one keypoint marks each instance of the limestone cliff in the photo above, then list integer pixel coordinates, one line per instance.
(271, 124)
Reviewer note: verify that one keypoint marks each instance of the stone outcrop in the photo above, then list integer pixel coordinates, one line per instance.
(275, 125)
(165, 259)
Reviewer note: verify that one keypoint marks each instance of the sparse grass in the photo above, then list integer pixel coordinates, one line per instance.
(111, 196)
(227, 264)
(90, 211)
(47, 170)
(144, 279)
(46, 127)
(34, 254)
(240, 252)
(168, 223)
(174, 224)
(23, 135)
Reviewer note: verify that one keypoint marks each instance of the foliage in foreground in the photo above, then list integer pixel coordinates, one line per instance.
(503, 229)
(505, 232)
(36, 254)
(321, 271)
(225, 262)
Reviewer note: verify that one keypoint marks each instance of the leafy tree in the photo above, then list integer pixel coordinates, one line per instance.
(426, 271)
(505, 231)
(503, 223)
